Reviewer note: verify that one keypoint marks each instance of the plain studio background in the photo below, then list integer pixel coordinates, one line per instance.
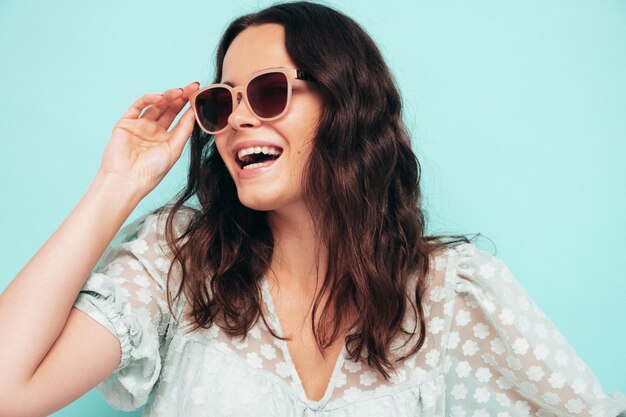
(517, 112)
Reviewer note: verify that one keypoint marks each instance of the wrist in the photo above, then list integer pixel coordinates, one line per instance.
(118, 186)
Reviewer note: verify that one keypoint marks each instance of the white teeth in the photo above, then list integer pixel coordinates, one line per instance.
(258, 149)
(258, 164)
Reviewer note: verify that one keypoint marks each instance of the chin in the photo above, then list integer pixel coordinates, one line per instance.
(259, 203)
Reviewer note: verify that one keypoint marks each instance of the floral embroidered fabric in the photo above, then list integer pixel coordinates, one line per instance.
(489, 350)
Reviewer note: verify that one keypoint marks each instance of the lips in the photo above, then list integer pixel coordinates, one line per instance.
(254, 169)
(254, 156)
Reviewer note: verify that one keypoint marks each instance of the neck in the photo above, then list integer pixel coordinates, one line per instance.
(299, 260)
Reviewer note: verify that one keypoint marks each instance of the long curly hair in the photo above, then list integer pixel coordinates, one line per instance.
(361, 184)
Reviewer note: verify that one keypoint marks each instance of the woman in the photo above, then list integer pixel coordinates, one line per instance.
(303, 283)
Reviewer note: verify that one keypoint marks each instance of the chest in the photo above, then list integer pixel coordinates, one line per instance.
(233, 376)
(204, 377)
(314, 369)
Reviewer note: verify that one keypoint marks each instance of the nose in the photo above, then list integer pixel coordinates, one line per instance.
(242, 117)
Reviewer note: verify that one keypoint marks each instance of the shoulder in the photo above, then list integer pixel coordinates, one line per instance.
(144, 238)
(465, 271)
(181, 220)
(464, 265)
(480, 288)
(152, 226)
(482, 275)
(468, 255)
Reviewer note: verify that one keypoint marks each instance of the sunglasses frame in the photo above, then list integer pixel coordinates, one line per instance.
(290, 73)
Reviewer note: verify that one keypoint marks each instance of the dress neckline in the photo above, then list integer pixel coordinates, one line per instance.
(274, 320)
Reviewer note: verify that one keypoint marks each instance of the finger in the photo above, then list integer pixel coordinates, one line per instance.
(138, 105)
(143, 129)
(155, 111)
(191, 88)
(181, 132)
(170, 113)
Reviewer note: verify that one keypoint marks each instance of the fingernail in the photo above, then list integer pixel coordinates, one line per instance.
(181, 90)
(197, 82)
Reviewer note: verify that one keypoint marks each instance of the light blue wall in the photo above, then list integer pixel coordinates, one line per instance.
(517, 109)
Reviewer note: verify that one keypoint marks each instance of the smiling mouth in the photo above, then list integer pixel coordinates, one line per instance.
(257, 157)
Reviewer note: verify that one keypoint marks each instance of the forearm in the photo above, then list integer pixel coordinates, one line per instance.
(35, 306)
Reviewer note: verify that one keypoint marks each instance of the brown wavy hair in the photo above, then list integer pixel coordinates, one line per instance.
(361, 184)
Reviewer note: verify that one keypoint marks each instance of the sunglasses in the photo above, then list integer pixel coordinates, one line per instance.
(267, 94)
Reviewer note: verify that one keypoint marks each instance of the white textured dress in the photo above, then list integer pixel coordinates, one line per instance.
(489, 351)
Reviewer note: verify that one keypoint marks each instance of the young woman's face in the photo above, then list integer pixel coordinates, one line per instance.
(277, 186)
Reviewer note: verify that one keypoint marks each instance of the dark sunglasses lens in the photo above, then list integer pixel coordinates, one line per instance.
(267, 94)
(214, 106)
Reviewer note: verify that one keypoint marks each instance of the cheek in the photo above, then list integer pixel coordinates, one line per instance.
(220, 148)
(302, 152)
(223, 152)
(300, 129)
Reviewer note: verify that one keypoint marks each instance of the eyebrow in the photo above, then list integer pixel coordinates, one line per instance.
(262, 69)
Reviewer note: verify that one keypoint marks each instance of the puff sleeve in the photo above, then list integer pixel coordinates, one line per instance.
(504, 357)
(126, 294)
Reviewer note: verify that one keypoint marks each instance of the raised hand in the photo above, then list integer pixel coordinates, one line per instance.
(142, 150)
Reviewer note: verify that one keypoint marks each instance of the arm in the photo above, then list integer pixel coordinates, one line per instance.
(54, 353)
(505, 356)
(42, 353)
